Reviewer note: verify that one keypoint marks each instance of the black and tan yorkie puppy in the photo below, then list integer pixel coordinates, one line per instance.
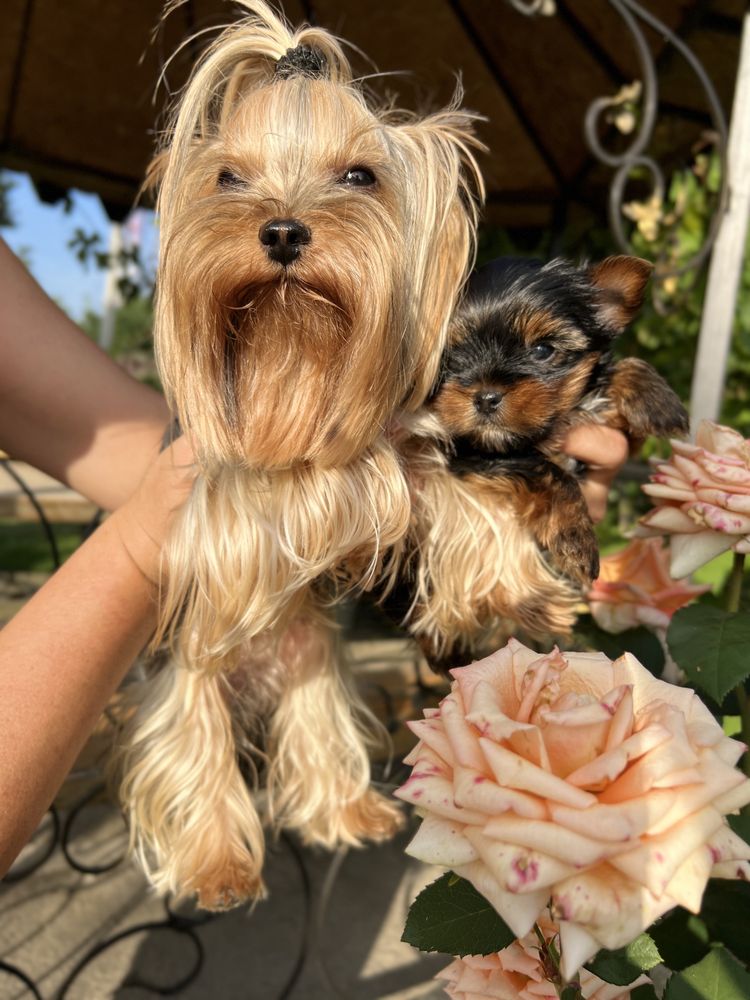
(312, 249)
(500, 529)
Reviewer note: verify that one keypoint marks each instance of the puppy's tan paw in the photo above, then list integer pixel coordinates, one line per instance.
(574, 550)
(227, 887)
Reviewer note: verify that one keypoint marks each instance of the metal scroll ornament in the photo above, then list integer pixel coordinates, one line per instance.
(634, 158)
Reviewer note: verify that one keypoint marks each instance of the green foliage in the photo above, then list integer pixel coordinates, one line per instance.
(681, 938)
(452, 917)
(666, 332)
(133, 326)
(718, 976)
(644, 992)
(24, 546)
(623, 966)
(711, 645)
(641, 642)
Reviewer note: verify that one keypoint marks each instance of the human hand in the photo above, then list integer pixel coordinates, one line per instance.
(603, 450)
(143, 521)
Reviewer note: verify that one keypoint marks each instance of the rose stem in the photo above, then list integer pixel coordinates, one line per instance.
(550, 958)
(734, 593)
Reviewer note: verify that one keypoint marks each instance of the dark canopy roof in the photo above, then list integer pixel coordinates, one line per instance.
(77, 81)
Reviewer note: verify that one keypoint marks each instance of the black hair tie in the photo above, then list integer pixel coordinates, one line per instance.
(301, 61)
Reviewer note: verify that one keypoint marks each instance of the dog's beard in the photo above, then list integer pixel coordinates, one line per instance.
(306, 377)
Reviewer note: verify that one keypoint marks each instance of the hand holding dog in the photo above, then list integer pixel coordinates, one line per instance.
(603, 451)
(143, 522)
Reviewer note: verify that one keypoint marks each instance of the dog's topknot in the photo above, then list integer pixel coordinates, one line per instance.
(301, 61)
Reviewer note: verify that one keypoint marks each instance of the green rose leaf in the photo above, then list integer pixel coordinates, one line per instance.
(681, 938)
(641, 642)
(452, 917)
(711, 646)
(644, 992)
(717, 977)
(621, 967)
(726, 904)
(741, 826)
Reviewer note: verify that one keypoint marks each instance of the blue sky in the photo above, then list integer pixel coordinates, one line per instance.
(42, 232)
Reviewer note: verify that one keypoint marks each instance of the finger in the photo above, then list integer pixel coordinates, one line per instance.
(597, 446)
(595, 488)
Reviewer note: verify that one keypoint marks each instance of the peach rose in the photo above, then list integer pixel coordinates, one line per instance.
(634, 588)
(702, 495)
(581, 782)
(517, 973)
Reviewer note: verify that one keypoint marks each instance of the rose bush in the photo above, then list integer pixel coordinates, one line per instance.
(580, 782)
(702, 493)
(634, 588)
(518, 972)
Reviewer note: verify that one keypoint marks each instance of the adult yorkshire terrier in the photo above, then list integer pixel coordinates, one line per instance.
(500, 529)
(313, 246)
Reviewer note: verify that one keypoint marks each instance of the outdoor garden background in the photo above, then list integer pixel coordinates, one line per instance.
(332, 927)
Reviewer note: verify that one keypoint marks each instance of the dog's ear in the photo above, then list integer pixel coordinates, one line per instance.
(621, 282)
(440, 217)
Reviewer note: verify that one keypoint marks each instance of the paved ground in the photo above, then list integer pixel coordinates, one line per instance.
(50, 919)
(59, 503)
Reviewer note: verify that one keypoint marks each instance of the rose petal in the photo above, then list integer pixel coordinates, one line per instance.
(512, 770)
(612, 763)
(570, 847)
(688, 883)
(655, 862)
(480, 794)
(577, 947)
(516, 869)
(669, 520)
(690, 552)
(462, 738)
(432, 734)
(435, 794)
(519, 910)
(611, 907)
(441, 842)
(617, 823)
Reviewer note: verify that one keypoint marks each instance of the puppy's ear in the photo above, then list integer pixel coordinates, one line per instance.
(621, 282)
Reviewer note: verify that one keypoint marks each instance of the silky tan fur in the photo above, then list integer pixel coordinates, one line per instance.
(287, 379)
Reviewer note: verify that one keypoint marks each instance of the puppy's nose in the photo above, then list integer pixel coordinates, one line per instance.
(283, 239)
(487, 402)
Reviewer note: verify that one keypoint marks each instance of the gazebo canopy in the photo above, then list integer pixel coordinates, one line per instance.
(77, 83)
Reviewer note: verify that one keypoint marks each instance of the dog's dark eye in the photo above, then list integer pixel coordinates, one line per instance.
(540, 352)
(357, 177)
(227, 179)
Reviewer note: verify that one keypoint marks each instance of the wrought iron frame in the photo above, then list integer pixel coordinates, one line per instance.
(634, 15)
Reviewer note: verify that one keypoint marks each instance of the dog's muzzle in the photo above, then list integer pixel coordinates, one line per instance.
(283, 239)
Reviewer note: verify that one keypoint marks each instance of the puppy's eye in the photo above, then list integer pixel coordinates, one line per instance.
(540, 352)
(357, 177)
(228, 180)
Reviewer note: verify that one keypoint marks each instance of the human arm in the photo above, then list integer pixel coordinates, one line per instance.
(65, 652)
(65, 406)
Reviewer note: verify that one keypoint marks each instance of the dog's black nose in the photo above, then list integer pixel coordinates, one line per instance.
(283, 238)
(487, 402)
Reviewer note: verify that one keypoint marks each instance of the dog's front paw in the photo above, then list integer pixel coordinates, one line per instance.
(574, 551)
(228, 886)
(372, 817)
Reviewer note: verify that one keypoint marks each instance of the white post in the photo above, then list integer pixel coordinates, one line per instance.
(727, 257)
(112, 299)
